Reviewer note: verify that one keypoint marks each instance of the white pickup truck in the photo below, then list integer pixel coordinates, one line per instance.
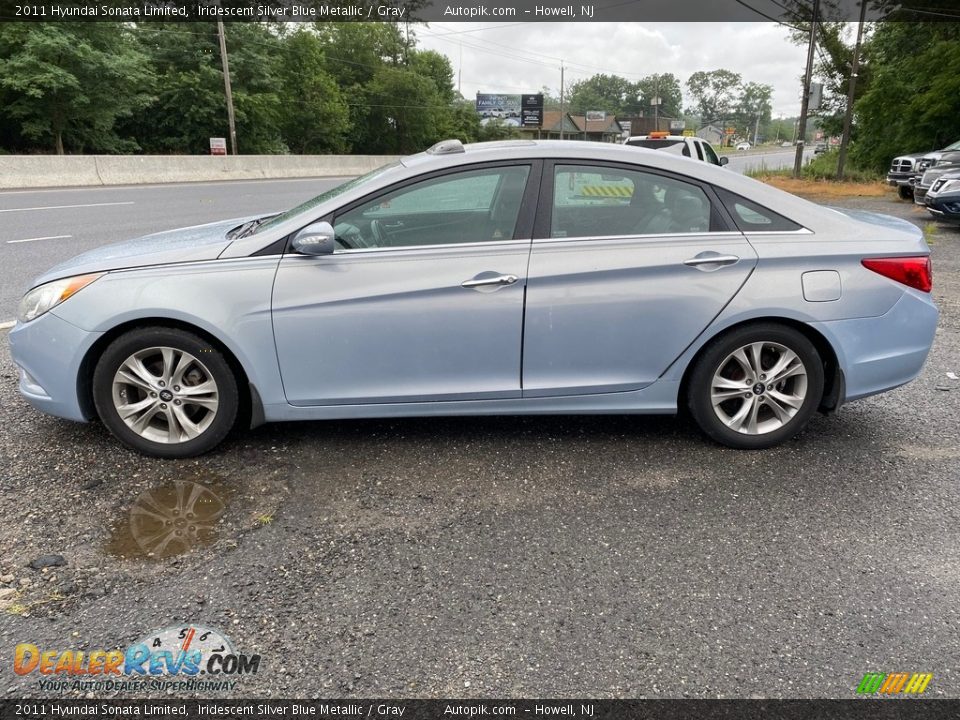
(691, 147)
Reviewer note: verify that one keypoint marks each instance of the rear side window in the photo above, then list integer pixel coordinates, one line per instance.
(750, 217)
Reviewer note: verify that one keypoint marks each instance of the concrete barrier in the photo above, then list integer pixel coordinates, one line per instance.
(40, 171)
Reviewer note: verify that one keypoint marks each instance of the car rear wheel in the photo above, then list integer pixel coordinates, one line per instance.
(165, 392)
(756, 386)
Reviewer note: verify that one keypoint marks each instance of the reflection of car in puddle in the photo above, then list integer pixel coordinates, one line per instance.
(168, 521)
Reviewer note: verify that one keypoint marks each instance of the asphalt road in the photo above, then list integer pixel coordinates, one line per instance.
(506, 557)
(40, 228)
(71, 221)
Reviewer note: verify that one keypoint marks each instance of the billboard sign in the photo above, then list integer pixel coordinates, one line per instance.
(531, 110)
(505, 108)
(218, 146)
(596, 115)
(514, 110)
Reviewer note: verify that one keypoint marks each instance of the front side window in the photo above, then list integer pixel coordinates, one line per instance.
(590, 201)
(463, 207)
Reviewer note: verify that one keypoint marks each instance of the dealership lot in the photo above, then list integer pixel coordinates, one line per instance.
(614, 556)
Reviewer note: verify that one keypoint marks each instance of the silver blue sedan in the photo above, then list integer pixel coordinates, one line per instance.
(499, 278)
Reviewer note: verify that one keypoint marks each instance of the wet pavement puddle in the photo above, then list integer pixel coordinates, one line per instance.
(170, 520)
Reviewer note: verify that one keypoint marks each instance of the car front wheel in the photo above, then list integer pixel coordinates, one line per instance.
(756, 386)
(165, 392)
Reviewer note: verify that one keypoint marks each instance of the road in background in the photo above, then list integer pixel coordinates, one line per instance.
(72, 221)
(40, 228)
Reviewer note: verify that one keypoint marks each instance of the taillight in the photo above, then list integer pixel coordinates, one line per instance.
(916, 272)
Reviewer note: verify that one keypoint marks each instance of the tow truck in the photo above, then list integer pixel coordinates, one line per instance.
(691, 147)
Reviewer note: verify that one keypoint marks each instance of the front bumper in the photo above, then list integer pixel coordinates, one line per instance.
(48, 353)
(881, 353)
(944, 208)
(896, 179)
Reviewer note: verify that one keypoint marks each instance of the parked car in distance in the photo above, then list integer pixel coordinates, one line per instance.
(820, 148)
(904, 168)
(691, 147)
(743, 146)
(946, 162)
(943, 198)
(505, 278)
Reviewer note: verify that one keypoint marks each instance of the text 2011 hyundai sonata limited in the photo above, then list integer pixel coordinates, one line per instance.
(499, 278)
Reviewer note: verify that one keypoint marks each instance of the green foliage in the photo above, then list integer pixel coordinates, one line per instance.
(714, 93)
(913, 101)
(65, 85)
(315, 117)
(618, 96)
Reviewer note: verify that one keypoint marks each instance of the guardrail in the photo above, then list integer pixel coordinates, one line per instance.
(41, 171)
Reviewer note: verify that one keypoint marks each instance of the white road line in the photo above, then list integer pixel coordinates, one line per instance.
(7, 325)
(60, 207)
(50, 237)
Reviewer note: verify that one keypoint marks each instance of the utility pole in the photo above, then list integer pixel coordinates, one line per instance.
(656, 102)
(562, 106)
(802, 128)
(226, 87)
(460, 70)
(848, 117)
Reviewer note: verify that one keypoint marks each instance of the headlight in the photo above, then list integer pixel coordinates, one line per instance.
(949, 186)
(46, 297)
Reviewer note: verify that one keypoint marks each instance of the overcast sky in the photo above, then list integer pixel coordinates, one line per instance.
(518, 58)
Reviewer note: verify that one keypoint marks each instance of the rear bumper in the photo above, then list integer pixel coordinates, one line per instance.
(48, 352)
(880, 353)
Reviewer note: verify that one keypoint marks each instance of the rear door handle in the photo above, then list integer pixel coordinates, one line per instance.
(484, 282)
(711, 259)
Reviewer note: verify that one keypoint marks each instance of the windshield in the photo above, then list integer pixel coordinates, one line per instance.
(954, 146)
(323, 197)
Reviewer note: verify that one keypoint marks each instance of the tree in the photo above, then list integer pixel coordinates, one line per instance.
(714, 93)
(189, 105)
(610, 93)
(665, 86)
(754, 107)
(913, 101)
(315, 117)
(68, 84)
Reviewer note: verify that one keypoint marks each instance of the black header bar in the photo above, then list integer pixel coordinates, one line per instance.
(788, 12)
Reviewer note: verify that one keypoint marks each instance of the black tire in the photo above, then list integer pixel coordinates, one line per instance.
(715, 358)
(905, 192)
(210, 365)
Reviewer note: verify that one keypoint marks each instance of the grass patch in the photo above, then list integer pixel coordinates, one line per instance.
(818, 179)
(825, 188)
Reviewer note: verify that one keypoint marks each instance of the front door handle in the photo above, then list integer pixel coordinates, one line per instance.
(484, 282)
(708, 258)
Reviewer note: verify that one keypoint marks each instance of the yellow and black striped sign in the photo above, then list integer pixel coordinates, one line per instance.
(615, 191)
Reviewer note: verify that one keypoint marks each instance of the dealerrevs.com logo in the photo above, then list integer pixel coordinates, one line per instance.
(894, 683)
(189, 658)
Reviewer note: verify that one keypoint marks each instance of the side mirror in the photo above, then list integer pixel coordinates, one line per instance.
(724, 160)
(315, 239)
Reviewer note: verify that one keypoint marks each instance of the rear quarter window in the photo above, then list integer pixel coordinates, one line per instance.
(751, 217)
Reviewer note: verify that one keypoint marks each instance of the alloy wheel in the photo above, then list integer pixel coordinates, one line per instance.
(165, 395)
(759, 388)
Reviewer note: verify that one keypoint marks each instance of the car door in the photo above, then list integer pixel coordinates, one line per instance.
(622, 280)
(421, 301)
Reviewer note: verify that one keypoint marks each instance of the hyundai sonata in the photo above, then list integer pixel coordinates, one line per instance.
(500, 278)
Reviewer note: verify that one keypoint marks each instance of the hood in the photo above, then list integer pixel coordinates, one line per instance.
(938, 171)
(190, 244)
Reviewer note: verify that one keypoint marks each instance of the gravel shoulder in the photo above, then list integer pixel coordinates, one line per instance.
(514, 557)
